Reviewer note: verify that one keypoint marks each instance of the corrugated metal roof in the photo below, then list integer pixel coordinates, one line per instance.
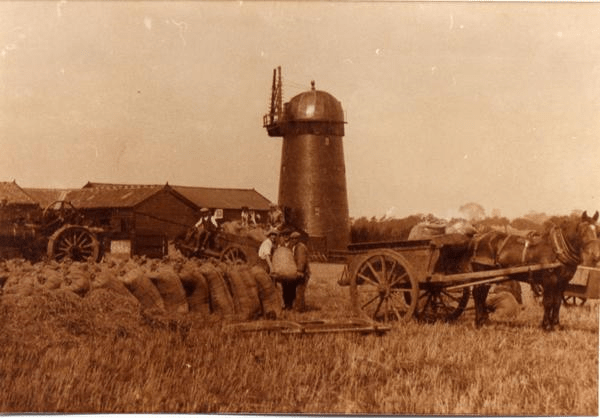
(210, 197)
(14, 195)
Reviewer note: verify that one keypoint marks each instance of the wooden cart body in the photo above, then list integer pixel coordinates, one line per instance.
(225, 247)
(428, 279)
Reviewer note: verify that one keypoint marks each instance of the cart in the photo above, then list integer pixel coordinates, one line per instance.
(584, 285)
(223, 246)
(427, 279)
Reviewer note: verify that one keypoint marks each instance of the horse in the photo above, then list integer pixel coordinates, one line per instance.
(566, 244)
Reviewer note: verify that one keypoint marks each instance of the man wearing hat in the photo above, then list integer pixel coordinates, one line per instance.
(205, 227)
(294, 292)
(265, 251)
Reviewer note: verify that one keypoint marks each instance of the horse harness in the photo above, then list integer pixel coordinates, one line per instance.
(564, 252)
(488, 261)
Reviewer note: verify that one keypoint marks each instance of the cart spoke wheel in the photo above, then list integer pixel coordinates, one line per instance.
(439, 304)
(383, 288)
(75, 243)
(234, 254)
(571, 301)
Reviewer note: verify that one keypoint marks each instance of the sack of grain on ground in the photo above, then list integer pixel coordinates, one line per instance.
(196, 288)
(106, 279)
(221, 302)
(143, 289)
(76, 280)
(284, 266)
(21, 284)
(244, 292)
(166, 280)
(270, 298)
(49, 278)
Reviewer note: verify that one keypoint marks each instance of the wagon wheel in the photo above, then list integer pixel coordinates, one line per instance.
(234, 254)
(74, 242)
(571, 301)
(383, 287)
(440, 304)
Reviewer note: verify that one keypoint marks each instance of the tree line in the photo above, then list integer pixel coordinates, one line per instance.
(364, 229)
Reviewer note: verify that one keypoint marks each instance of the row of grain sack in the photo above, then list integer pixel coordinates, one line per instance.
(236, 292)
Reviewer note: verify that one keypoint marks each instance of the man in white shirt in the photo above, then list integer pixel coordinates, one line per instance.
(265, 251)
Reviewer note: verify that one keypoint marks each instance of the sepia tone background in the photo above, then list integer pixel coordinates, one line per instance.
(446, 102)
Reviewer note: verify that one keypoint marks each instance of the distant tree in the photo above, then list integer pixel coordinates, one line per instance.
(525, 224)
(537, 217)
(472, 211)
(495, 222)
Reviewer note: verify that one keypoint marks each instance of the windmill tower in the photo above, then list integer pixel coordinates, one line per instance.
(312, 179)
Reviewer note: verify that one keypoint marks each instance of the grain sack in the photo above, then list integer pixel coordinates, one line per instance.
(232, 227)
(143, 289)
(461, 227)
(106, 279)
(221, 301)
(169, 286)
(257, 234)
(19, 285)
(284, 266)
(270, 298)
(244, 292)
(426, 230)
(49, 278)
(76, 281)
(198, 296)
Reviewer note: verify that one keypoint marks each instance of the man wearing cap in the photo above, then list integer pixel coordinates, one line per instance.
(265, 251)
(205, 227)
(294, 292)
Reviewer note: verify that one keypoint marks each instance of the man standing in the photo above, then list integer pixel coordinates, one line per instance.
(294, 291)
(265, 251)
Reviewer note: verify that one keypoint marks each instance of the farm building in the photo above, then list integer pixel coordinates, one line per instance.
(225, 203)
(15, 203)
(128, 209)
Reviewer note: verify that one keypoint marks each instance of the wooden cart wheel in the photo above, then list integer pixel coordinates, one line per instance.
(383, 287)
(74, 242)
(440, 304)
(571, 301)
(234, 254)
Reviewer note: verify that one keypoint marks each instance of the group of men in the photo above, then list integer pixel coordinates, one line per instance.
(277, 236)
(293, 291)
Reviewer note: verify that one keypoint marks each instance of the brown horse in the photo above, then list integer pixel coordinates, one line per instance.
(566, 244)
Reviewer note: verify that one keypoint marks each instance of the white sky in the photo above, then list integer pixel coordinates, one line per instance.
(446, 103)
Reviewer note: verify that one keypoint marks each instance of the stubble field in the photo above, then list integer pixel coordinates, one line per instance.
(64, 353)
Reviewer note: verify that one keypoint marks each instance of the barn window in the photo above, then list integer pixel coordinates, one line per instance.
(218, 213)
